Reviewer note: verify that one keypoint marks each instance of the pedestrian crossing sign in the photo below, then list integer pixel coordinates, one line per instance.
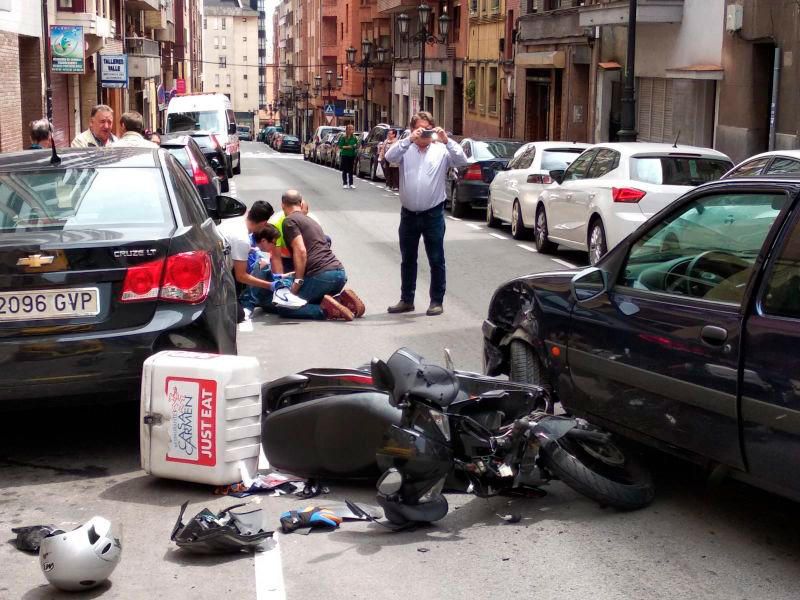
(329, 110)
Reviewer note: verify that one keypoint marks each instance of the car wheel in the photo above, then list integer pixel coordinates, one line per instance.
(458, 209)
(543, 245)
(373, 171)
(491, 220)
(518, 229)
(597, 241)
(524, 366)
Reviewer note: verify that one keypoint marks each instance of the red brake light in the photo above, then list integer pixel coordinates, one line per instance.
(198, 175)
(541, 179)
(627, 195)
(474, 173)
(187, 277)
(142, 282)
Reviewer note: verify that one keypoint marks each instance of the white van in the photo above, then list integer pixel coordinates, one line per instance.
(207, 112)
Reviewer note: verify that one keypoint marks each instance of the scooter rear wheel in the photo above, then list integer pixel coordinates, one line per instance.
(600, 471)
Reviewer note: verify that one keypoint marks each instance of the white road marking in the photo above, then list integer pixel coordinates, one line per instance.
(564, 263)
(452, 218)
(498, 236)
(528, 248)
(473, 226)
(269, 572)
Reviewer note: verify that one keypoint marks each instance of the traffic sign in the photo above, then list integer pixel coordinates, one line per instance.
(329, 119)
(329, 109)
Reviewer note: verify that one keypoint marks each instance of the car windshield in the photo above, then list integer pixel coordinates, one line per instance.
(490, 150)
(210, 120)
(677, 170)
(243, 129)
(558, 159)
(289, 138)
(75, 199)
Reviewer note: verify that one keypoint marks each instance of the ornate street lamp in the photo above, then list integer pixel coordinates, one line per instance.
(367, 62)
(422, 37)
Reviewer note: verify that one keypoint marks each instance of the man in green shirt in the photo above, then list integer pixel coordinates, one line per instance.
(348, 147)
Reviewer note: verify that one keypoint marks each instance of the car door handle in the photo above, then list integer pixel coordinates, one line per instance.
(713, 335)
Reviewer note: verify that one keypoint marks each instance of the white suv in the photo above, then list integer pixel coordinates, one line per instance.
(611, 189)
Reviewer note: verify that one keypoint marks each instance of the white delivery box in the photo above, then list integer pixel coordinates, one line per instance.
(200, 416)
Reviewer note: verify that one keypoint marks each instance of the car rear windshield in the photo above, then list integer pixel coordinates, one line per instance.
(207, 120)
(205, 142)
(490, 150)
(677, 170)
(182, 155)
(75, 199)
(555, 160)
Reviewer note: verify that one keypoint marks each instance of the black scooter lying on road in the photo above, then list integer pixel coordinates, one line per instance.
(429, 428)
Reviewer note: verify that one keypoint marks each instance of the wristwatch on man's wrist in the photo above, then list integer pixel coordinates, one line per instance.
(299, 282)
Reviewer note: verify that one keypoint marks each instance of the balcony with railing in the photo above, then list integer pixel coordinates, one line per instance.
(616, 12)
(144, 57)
(152, 5)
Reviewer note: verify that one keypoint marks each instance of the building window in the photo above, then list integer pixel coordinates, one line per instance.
(482, 89)
(216, 43)
(216, 23)
(216, 80)
(227, 81)
(223, 62)
(244, 76)
(224, 42)
(244, 95)
(224, 24)
(65, 4)
(244, 59)
(205, 23)
(472, 85)
(492, 90)
(244, 39)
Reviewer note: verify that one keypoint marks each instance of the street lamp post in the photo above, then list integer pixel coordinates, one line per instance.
(628, 131)
(328, 84)
(366, 63)
(422, 37)
(303, 93)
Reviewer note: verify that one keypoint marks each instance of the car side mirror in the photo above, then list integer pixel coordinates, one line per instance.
(227, 208)
(557, 175)
(589, 284)
(232, 129)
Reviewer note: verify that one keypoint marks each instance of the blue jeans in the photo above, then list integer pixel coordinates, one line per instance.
(313, 290)
(255, 296)
(430, 226)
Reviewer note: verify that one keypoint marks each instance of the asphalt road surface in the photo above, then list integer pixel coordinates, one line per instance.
(64, 465)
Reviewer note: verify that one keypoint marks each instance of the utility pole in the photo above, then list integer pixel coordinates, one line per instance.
(46, 55)
(628, 131)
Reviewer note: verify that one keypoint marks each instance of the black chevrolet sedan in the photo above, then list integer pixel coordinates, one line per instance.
(105, 259)
(685, 337)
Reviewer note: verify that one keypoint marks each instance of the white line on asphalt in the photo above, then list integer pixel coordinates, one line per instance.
(269, 573)
(564, 263)
(452, 218)
(528, 248)
(498, 236)
(473, 226)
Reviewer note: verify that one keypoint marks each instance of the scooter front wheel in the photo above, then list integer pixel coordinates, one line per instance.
(600, 470)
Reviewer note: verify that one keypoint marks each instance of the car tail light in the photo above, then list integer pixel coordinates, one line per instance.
(474, 173)
(627, 195)
(198, 175)
(541, 179)
(142, 282)
(187, 277)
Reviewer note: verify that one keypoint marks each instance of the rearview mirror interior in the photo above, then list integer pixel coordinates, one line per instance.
(589, 284)
(557, 175)
(227, 208)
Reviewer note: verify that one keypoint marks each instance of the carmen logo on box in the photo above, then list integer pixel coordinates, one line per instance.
(192, 404)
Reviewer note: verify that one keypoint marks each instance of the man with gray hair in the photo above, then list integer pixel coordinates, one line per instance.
(99, 133)
(40, 134)
(132, 125)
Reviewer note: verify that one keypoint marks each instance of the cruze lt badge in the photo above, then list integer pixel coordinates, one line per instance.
(35, 261)
(135, 253)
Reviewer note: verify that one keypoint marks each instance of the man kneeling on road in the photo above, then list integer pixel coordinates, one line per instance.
(318, 274)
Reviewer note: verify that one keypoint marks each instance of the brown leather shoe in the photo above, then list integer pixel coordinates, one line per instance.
(335, 311)
(351, 300)
(401, 307)
(435, 309)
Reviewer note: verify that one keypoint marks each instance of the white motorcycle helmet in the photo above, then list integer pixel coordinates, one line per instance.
(82, 558)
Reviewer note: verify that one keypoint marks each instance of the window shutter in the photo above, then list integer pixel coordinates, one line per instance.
(655, 103)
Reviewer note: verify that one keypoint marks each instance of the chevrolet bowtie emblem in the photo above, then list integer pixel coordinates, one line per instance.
(35, 261)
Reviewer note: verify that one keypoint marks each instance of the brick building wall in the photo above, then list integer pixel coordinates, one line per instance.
(10, 101)
(31, 86)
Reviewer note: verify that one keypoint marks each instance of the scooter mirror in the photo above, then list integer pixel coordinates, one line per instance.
(391, 482)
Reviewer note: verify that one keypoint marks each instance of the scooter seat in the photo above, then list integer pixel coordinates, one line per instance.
(412, 376)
